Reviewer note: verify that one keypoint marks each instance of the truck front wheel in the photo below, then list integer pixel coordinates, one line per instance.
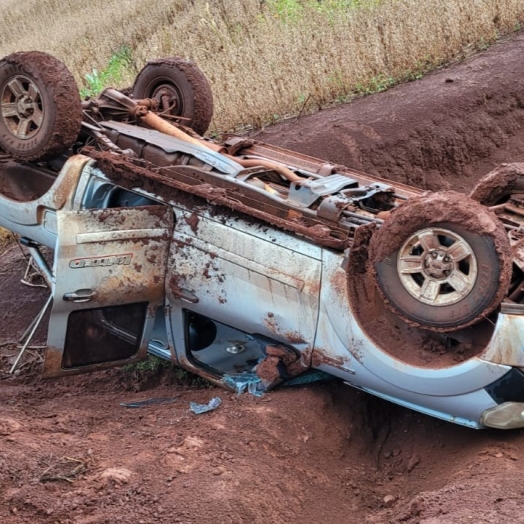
(442, 261)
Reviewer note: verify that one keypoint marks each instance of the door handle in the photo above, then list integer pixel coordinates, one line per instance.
(80, 295)
(185, 295)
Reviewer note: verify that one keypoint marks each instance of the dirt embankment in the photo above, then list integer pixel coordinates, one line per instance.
(443, 131)
(70, 453)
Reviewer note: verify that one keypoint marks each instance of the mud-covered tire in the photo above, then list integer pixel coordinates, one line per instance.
(498, 185)
(40, 108)
(185, 86)
(441, 261)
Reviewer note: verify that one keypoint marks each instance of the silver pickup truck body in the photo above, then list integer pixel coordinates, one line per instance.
(248, 264)
(211, 289)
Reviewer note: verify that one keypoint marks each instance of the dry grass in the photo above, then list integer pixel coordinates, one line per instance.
(5, 238)
(264, 59)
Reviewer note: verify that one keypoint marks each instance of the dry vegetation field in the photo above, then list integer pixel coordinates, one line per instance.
(5, 238)
(265, 59)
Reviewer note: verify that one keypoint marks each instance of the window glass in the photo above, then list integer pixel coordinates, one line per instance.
(103, 334)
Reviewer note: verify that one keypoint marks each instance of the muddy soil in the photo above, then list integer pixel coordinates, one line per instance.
(70, 453)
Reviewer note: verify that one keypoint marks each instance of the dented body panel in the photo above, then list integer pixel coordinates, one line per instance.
(36, 219)
(104, 258)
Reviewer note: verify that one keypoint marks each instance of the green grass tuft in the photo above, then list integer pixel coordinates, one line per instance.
(112, 75)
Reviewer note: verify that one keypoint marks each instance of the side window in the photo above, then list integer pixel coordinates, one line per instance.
(103, 334)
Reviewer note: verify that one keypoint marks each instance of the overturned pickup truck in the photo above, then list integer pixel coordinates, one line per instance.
(237, 257)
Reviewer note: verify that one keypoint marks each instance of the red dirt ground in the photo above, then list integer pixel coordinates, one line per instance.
(69, 453)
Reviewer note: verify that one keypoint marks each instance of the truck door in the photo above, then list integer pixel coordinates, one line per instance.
(239, 284)
(109, 269)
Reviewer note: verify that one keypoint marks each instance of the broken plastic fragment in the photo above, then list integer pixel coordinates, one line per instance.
(241, 382)
(204, 408)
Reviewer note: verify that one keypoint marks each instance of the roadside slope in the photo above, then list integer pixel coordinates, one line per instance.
(445, 130)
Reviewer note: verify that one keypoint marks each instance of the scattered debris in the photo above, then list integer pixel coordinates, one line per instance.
(413, 462)
(116, 475)
(241, 382)
(150, 402)
(33, 275)
(389, 500)
(198, 409)
(67, 469)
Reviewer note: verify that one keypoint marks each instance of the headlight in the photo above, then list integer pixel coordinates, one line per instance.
(508, 415)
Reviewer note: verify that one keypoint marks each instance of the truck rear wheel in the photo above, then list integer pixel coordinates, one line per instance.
(180, 89)
(497, 186)
(40, 108)
(441, 261)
